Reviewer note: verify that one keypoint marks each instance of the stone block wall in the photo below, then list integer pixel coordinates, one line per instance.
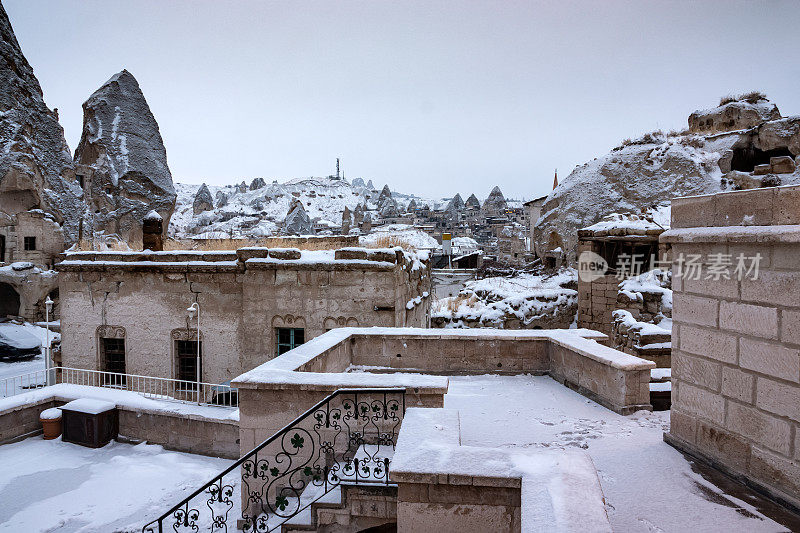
(459, 505)
(452, 354)
(623, 388)
(22, 421)
(191, 434)
(596, 301)
(736, 347)
(184, 433)
(244, 297)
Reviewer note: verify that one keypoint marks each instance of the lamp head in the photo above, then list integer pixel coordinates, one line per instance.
(192, 310)
(49, 304)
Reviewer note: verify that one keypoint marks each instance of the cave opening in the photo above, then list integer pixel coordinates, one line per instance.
(9, 300)
(745, 159)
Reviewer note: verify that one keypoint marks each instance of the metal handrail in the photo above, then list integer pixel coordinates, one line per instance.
(216, 481)
(148, 386)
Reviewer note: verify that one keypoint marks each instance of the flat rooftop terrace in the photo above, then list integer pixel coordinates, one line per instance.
(648, 485)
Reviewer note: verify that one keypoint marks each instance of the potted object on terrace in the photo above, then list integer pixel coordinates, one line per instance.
(51, 422)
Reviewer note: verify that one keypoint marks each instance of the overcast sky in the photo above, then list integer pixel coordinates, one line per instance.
(432, 97)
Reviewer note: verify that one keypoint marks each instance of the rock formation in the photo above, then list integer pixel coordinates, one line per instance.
(222, 199)
(412, 206)
(456, 204)
(385, 193)
(366, 224)
(358, 215)
(358, 182)
(389, 208)
(473, 202)
(648, 172)
(36, 169)
(370, 186)
(347, 219)
(297, 221)
(257, 183)
(495, 202)
(202, 200)
(122, 149)
(734, 115)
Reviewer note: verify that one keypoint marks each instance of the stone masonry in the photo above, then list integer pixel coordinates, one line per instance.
(244, 297)
(736, 346)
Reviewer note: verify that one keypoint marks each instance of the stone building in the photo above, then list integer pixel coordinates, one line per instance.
(30, 242)
(736, 355)
(127, 312)
(608, 252)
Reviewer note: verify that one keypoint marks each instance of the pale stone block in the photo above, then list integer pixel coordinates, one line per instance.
(762, 428)
(691, 212)
(731, 449)
(790, 326)
(749, 319)
(438, 518)
(698, 371)
(709, 343)
(752, 207)
(779, 398)
(772, 287)
(788, 205)
(702, 403)
(721, 288)
(770, 358)
(682, 425)
(776, 471)
(737, 384)
(695, 310)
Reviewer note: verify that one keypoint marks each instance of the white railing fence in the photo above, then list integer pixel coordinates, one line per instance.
(147, 386)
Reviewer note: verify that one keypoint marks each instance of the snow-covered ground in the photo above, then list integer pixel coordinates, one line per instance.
(648, 485)
(400, 234)
(525, 297)
(49, 486)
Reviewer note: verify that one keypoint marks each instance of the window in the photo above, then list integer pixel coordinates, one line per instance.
(29, 243)
(113, 354)
(186, 355)
(80, 180)
(289, 338)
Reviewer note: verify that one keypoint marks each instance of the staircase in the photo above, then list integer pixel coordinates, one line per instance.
(328, 466)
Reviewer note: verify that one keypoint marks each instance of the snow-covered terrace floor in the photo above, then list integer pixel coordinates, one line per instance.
(648, 485)
(57, 486)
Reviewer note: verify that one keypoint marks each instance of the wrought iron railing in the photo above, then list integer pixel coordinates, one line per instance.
(147, 386)
(349, 437)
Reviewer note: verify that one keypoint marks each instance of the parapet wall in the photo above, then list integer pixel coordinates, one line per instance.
(736, 346)
(406, 357)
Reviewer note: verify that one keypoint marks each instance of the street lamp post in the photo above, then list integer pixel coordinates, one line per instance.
(192, 309)
(48, 306)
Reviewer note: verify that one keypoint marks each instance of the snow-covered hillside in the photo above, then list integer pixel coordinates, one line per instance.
(242, 211)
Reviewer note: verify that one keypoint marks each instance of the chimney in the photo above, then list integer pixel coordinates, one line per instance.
(152, 232)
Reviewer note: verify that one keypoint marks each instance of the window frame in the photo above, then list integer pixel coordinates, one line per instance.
(283, 347)
(115, 380)
(187, 358)
(29, 243)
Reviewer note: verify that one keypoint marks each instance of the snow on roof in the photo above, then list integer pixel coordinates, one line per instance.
(89, 406)
(153, 215)
(652, 223)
